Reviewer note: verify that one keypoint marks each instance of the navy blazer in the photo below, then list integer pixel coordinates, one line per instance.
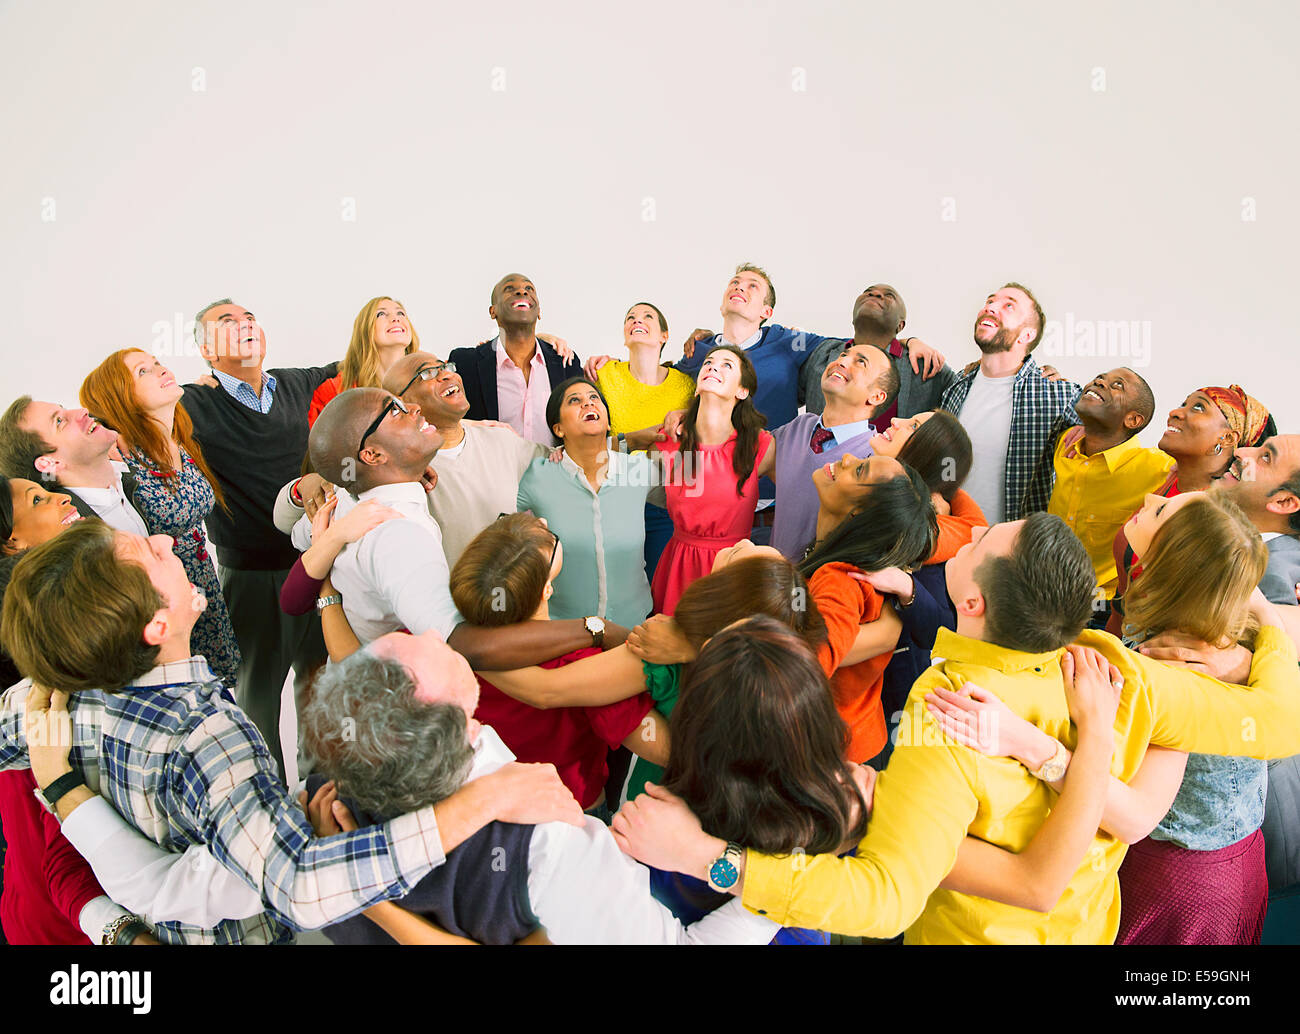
(478, 373)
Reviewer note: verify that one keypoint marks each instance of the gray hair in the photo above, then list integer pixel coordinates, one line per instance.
(386, 750)
(198, 319)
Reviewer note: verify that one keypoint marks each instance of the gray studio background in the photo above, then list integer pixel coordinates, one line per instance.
(1134, 163)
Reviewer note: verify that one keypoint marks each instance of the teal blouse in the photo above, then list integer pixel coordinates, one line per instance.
(603, 534)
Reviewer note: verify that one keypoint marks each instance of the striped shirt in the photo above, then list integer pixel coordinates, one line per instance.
(185, 766)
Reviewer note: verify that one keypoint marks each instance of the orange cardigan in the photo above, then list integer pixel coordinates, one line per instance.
(955, 528)
(846, 603)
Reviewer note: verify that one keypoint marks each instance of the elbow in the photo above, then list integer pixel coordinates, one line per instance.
(1043, 898)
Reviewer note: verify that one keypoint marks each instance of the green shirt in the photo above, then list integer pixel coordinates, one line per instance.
(663, 683)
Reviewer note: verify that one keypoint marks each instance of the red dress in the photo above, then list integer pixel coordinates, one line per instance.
(707, 514)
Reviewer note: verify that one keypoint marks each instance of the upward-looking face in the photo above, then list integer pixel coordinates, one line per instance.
(1005, 321)
(1195, 428)
(720, 375)
(76, 437)
(39, 514)
(641, 325)
(746, 295)
(441, 675)
(844, 483)
(232, 337)
(742, 550)
(1257, 475)
(391, 325)
(403, 436)
(166, 573)
(581, 413)
(514, 302)
(959, 574)
(852, 377)
(1143, 525)
(426, 381)
(155, 386)
(890, 442)
(879, 306)
(1109, 397)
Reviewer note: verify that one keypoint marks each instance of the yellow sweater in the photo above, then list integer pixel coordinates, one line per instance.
(934, 792)
(633, 405)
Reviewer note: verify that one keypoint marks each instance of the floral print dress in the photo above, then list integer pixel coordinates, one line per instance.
(180, 514)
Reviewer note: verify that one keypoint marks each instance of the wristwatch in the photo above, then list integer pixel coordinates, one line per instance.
(66, 782)
(596, 626)
(725, 870)
(1055, 766)
(328, 601)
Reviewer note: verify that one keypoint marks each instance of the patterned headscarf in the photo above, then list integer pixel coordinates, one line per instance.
(1245, 415)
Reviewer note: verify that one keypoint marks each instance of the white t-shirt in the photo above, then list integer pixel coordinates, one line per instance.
(986, 415)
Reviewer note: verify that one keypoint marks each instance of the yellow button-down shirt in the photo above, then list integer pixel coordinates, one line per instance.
(1096, 494)
(935, 792)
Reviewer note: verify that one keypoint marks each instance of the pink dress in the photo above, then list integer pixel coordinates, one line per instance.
(707, 514)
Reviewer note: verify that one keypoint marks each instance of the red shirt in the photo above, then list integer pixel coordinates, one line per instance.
(576, 740)
(47, 883)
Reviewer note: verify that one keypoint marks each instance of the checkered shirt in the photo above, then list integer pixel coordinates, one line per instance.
(1040, 411)
(185, 766)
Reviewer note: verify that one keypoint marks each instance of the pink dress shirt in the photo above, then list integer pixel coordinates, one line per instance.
(523, 406)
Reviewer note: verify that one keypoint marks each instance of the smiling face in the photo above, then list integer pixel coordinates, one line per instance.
(1195, 428)
(232, 338)
(406, 440)
(1005, 322)
(746, 296)
(641, 326)
(76, 437)
(879, 309)
(1143, 525)
(582, 413)
(392, 328)
(1110, 399)
(514, 302)
(853, 378)
(154, 385)
(842, 484)
(39, 515)
(438, 392)
(890, 441)
(1256, 480)
(721, 375)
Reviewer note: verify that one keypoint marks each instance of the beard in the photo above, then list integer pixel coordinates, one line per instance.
(999, 342)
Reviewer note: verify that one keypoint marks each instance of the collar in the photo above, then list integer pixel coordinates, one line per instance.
(953, 647)
(490, 753)
(613, 470)
(847, 432)
(177, 673)
(402, 496)
(748, 343)
(233, 384)
(90, 491)
(1116, 456)
(895, 348)
(1269, 536)
(504, 360)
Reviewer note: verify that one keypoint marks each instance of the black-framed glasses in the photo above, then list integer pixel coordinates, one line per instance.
(428, 373)
(554, 549)
(394, 405)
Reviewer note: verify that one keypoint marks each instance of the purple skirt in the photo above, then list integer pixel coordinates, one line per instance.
(1170, 895)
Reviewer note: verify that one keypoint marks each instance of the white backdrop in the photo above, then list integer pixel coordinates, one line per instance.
(1128, 161)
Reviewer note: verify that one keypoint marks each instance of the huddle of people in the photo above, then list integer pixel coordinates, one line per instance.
(803, 635)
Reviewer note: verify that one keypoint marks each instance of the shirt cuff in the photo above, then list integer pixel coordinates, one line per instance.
(415, 844)
(92, 823)
(96, 914)
(769, 884)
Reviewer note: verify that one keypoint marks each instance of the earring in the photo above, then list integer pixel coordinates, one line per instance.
(1218, 448)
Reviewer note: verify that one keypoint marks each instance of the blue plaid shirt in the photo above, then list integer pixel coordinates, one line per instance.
(1040, 411)
(243, 393)
(185, 766)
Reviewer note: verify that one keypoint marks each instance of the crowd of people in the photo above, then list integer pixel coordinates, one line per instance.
(802, 637)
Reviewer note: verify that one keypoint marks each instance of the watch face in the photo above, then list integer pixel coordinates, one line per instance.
(723, 873)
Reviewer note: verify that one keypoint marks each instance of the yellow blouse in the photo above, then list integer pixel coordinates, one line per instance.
(633, 405)
(935, 791)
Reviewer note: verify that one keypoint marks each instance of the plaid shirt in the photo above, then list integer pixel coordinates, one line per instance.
(1040, 411)
(185, 766)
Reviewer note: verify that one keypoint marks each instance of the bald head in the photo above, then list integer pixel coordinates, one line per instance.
(402, 372)
(335, 438)
(514, 302)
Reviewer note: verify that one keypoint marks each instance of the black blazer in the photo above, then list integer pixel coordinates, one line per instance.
(478, 373)
(128, 489)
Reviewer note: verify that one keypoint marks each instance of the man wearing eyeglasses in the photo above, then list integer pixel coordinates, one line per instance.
(478, 466)
(372, 445)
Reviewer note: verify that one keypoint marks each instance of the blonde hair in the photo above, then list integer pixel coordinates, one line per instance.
(1198, 574)
(360, 366)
